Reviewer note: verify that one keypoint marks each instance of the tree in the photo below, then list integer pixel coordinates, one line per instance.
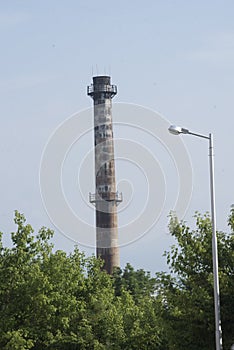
(139, 283)
(135, 292)
(186, 294)
(57, 301)
(51, 300)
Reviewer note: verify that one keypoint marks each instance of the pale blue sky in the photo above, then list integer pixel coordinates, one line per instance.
(175, 57)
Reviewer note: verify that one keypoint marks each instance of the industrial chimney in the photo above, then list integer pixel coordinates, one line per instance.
(105, 198)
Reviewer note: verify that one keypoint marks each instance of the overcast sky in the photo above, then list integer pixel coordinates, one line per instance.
(173, 57)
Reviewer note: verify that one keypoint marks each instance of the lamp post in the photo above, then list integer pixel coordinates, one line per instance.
(176, 130)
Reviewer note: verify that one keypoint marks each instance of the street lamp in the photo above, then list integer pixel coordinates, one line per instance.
(176, 130)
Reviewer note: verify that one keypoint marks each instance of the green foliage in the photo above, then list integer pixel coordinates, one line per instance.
(138, 283)
(186, 295)
(17, 340)
(51, 300)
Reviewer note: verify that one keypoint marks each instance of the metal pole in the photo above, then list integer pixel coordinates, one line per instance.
(218, 331)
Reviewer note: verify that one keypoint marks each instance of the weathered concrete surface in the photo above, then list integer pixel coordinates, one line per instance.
(106, 199)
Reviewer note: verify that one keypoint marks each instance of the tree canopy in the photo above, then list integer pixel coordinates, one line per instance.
(52, 300)
(186, 293)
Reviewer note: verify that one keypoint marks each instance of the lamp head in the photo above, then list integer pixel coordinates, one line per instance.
(176, 130)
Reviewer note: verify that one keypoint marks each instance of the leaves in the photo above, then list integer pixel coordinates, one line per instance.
(186, 296)
(52, 300)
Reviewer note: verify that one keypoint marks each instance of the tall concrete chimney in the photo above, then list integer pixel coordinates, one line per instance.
(105, 198)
